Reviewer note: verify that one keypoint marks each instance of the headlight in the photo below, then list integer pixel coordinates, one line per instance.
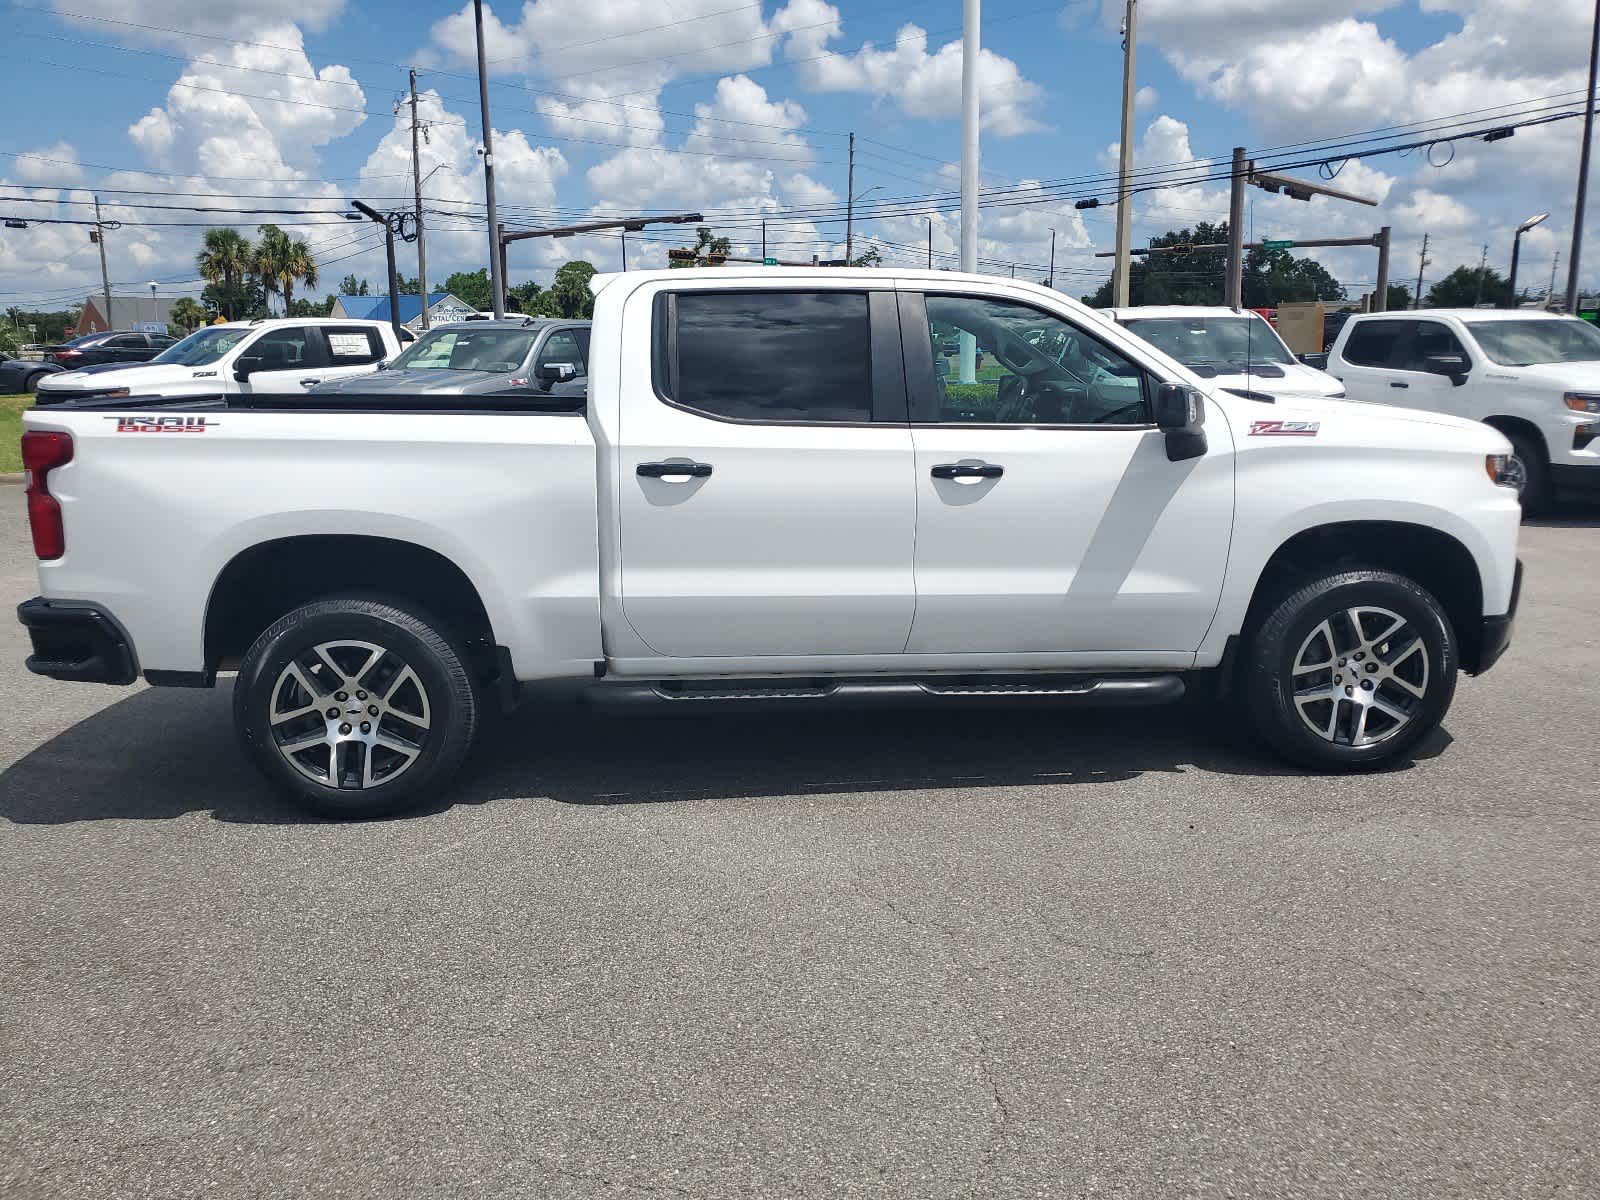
(1501, 471)
(1584, 402)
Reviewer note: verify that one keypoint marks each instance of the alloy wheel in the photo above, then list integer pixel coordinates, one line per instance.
(1361, 676)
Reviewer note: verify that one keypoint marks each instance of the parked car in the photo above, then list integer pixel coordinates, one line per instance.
(240, 357)
(1232, 349)
(118, 346)
(770, 499)
(476, 358)
(18, 375)
(1534, 376)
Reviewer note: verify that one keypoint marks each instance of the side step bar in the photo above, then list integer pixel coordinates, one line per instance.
(957, 691)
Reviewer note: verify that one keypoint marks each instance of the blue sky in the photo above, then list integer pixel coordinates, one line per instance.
(741, 111)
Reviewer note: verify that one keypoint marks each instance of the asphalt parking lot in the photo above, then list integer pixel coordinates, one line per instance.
(1009, 954)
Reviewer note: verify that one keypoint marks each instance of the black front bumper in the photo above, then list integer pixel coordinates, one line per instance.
(1496, 635)
(76, 641)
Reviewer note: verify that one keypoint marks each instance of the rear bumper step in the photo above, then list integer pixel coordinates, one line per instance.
(76, 641)
(957, 691)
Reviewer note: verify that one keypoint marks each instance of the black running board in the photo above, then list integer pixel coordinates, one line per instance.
(965, 691)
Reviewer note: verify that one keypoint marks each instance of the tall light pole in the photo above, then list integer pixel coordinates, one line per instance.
(1516, 249)
(1052, 281)
(497, 283)
(970, 51)
(1130, 32)
(1583, 168)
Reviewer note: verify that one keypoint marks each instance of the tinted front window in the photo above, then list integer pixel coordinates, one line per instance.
(774, 356)
(1524, 343)
(204, 346)
(453, 348)
(1213, 341)
(1372, 343)
(1430, 338)
(562, 347)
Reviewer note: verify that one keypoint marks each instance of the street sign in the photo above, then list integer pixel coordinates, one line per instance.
(1276, 244)
(769, 262)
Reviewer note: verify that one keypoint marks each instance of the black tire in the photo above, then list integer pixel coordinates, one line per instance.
(442, 724)
(1535, 493)
(1267, 675)
(30, 385)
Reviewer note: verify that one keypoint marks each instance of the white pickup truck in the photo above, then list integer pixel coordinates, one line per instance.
(785, 488)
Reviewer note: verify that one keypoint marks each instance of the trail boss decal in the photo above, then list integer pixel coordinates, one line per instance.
(1284, 428)
(163, 424)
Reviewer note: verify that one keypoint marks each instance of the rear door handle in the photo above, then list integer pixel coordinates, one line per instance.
(309, 382)
(1397, 383)
(967, 471)
(674, 470)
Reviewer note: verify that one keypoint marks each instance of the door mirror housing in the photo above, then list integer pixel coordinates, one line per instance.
(560, 372)
(1180, 413)
(1454, 366)
(245, 364)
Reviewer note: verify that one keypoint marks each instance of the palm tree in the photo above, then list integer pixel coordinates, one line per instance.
(225, 258)
(281, 261)
(188, 315)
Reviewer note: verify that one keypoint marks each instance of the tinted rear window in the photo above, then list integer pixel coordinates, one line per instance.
(773, 356)
(1372, 343)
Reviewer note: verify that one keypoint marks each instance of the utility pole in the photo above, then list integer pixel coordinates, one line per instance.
(763, 239)
(1583, 168)
(1380, 294)
(1483, 262)
(850, 203)
(930, 243)
(622, 235)
(1235, 286)
(416, 183)
(105, 275)
(1422, 261)
(1052, 258)
(497, 280)
(1550, 292)
(970, 13)
(1124, 260)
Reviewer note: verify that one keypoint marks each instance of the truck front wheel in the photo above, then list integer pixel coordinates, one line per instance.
(355, 707)
(1350, 669)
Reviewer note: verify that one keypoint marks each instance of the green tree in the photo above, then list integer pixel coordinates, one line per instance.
(706, 245)
(870, 259)
(351, 286)
(281, 261)
(1467, 286)
(1273, 277)
(1175, 278)
(1398, 297)
(409, 287)
(524, 297)
(568, 294)
(471, 288)
(226, 260)
(242, 301)
(310, 308)
(188, 315)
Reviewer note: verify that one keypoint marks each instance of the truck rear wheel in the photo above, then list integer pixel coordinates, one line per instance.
(356, 707)
(1350, 669)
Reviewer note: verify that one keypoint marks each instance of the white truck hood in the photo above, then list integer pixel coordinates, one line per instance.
(1296, 379)
(1572, 376)
(1400, 422)
(136, 377)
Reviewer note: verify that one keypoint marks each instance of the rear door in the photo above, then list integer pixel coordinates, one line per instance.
(351, 350)
(292, 358)
(764, 467)
(1049, 519)
(1366, 361)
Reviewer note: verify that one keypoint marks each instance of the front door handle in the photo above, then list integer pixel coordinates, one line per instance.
(967, 471)
(674, 470)
(1398, 383)
(309, 382)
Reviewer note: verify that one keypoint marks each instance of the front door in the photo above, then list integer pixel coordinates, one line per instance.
(1420, 387)
(288, 359)
(1049, 519)
(764, 468)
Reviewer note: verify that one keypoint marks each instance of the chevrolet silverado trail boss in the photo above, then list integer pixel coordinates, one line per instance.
(784, 488)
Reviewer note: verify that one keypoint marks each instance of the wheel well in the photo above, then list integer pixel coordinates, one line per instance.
(266, 581)
(1510, 425)
(1430, 557)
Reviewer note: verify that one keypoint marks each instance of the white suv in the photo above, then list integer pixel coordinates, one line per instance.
(1534, 376)
(238, 358)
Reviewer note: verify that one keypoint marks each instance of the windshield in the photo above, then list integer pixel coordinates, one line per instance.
(1523, 343)
(468, 350)
(1213, 341)
(203, 346)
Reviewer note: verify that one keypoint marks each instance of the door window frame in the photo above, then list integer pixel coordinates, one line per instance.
(1400, 355)
(313, 341)
(375, 345)
(922, 384)
(1402, 342)
(886, 368)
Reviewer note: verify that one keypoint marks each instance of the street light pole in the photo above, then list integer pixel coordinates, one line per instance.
(1583, 167)
(1516, 250)
(1130, 33)
(497, 283)
(850, 203)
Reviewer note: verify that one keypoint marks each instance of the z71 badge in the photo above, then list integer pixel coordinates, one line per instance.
(163, 424)
(1284, 428)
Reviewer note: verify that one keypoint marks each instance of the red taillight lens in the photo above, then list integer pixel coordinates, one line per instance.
(42, 452)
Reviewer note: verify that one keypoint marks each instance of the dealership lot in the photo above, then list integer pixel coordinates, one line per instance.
(997, 954)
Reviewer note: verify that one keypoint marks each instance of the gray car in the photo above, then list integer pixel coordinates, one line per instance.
(538, 356)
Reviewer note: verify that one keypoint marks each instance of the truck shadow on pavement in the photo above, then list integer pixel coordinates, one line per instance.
(161, 754)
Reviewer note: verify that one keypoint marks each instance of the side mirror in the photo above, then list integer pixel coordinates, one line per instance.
(246, 364)
(1180, 414)
(560, 372)
(1455, 366)
(1319, 361)
(383, 364)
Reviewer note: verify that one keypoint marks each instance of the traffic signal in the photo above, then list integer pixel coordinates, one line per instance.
(681, 256)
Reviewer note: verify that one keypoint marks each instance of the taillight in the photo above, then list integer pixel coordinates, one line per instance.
(43, 451)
